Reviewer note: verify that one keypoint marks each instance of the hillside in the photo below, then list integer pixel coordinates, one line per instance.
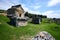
(9, 32)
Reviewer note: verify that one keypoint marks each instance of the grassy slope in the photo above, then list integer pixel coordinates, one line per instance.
(8, 32)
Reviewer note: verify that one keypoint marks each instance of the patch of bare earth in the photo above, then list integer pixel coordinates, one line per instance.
(25, 37)
(13, 37)
(0, 23)
(4, 14)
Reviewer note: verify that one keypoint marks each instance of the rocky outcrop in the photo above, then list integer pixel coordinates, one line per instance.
(43, 36)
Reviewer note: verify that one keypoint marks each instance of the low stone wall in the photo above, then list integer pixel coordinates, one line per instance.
(21, 23)
(4, 14)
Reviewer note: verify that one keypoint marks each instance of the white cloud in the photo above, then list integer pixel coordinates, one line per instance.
(15, 2)
(51, 14)
(53, 2)
(29, 10)
(24, 7)
(5, 4)
(35, 7)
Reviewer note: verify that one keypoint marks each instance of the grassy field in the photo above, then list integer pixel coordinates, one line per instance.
(8, 32)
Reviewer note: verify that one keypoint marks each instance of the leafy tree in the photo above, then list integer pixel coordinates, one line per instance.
(34, 15)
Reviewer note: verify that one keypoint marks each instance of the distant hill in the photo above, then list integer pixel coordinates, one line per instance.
(2, 11)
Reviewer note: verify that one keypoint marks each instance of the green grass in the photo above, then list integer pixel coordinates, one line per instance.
(8, 32)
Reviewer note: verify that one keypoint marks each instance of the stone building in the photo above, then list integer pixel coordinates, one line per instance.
(16, 16)
(36, 19)
(54, 20)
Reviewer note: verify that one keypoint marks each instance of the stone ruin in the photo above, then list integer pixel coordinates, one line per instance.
(54, 20)
(16, 16)
(36, 19)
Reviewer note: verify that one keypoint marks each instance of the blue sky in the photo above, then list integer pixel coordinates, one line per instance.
(51, 8)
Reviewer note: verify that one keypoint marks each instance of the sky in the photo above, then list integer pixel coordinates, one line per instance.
(50, 8)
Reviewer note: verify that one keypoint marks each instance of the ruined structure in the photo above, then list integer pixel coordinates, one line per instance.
(16, 16)
(36, 19)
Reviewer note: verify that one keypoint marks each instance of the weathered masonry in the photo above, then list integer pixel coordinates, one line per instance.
(36, 19)
(16, 16)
